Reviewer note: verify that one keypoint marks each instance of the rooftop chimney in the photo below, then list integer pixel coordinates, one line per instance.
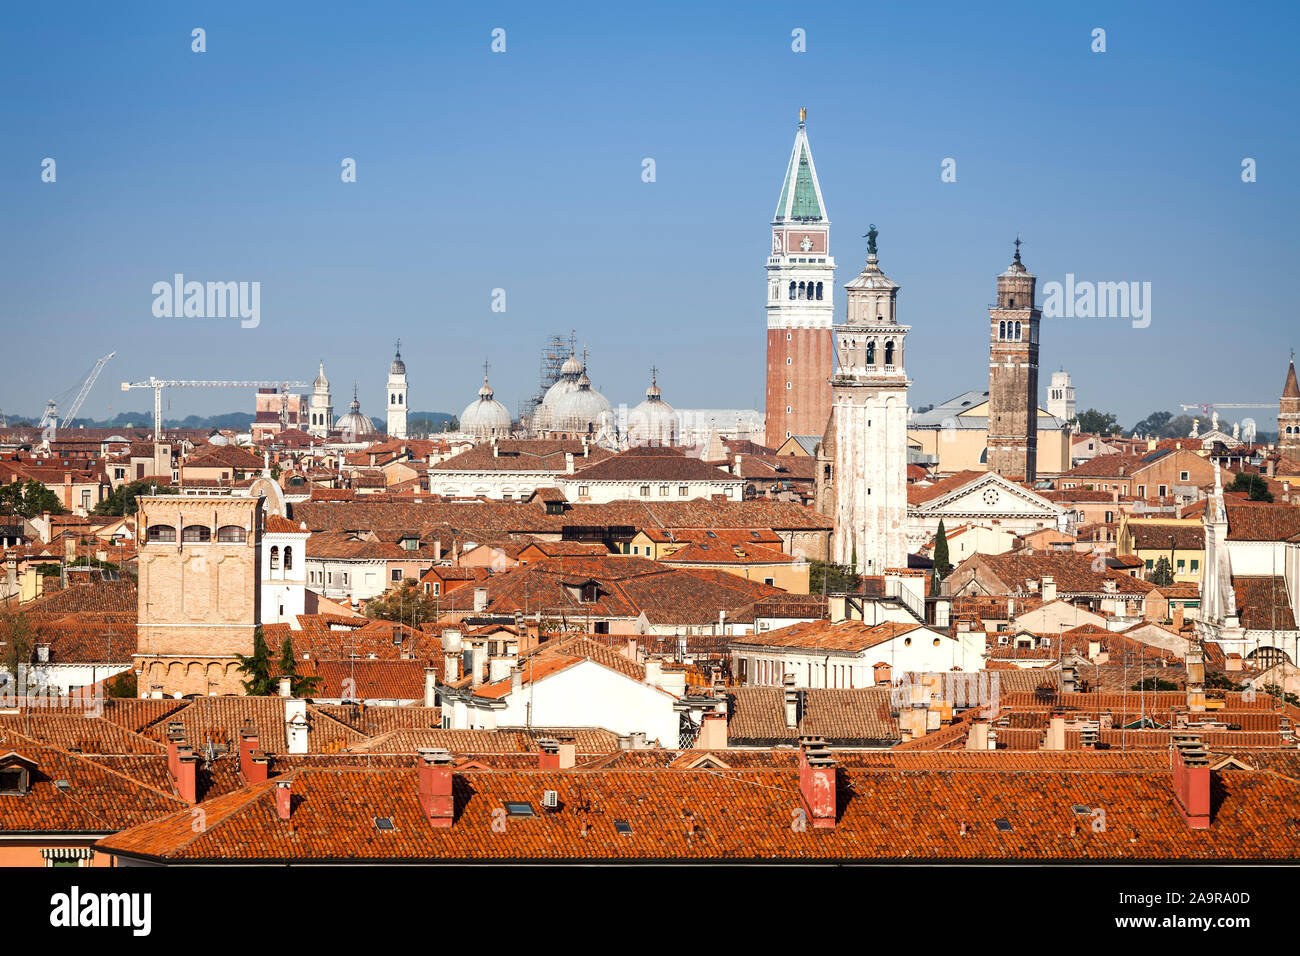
(883, 673)
(286, 686)
(713, 731)
(568, 752)
(1192, 781)
(249, 742)
(1194, 663)
(480, 599)
(436, 798)
(295, 725)
(430, 686)
(1049, 589)
(791, 703)
(817, 782)
(978, 738)
(548, 754)
(568, 462)
(175, 737)
(451, 666)
(283, 799)
(654, 672)
(187, 775)
(1055, 733)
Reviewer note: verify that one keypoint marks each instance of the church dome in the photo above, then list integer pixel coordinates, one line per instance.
(653, 422)
(354, 425)
(486, 417)
(580, 410)
(398, 367)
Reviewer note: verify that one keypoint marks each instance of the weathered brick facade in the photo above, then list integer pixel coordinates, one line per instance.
(199, 589)
(1013, 376)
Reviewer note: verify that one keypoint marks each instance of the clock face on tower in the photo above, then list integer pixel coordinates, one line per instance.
(991, 497)
(806, 244)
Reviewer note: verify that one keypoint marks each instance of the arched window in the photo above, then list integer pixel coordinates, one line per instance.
(275, 557)
(819, 290)
(1011, 302)
(1002, 330)
(871, 352)
(399, 399)
(196, 532)
(803, 292)
(792, 288)
(1017, 331)
(231, 534)
(288, 558)
(392, 399)
(889, 353)
(161, 532)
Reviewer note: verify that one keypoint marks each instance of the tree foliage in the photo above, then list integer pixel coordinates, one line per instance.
(1254, 485)
(824, 578)
(299, 686)
(942, 566)
(1097, 423)
(257, 667)
(18, 639)
(29, 499)
(122, 500)
(406, 603)
(1162, 575)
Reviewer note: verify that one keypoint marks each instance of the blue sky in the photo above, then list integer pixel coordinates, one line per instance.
(522, 171)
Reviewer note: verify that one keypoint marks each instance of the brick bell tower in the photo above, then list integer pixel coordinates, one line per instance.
(800, 303)
(1288, 417)
(1013, 375)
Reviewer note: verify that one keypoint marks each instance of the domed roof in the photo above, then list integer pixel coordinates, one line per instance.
(571, 366)
(354, 425)
(398, 367)
(485, 417)
(581, 409)
(216, 438)
(321, 383)
(567, 382)
(653, 421)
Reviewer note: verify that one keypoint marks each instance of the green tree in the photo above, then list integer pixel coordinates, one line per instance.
(824, 577)
(1254, 485)
(122, 499)
(1162, 575)
(29, 499)
(1154, 683)
(407, 604)
(299, 686)
(1154, 424)
(257, 666)
(942, 566)
(1097, 423)
(17, 638)
(123, 685)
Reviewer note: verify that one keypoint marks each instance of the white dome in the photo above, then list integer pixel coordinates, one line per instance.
(653, 422)
(354, 425)
(486, 417)
(581, 410)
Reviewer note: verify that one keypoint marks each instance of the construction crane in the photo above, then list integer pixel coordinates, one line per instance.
(1208, 407)
(158, 384)
(51, 415)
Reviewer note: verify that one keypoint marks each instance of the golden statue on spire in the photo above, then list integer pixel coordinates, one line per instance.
(803, 114)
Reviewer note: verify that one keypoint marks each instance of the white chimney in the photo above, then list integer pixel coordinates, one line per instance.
(517, 682)
(499, 668)
(1049, 589)
(295, 725)
(480, 599)
(654, 672)
(450, 666)
(478, 657)
(568, 462)
(286, 686)
(791, 702)
(430, 686)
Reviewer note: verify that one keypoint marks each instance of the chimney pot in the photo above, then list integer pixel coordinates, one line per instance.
(283, 799)
(436, 799)
(430, 687)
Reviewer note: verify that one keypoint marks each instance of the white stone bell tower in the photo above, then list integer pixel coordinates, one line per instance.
(397, 396)
(862, 466)
(320, 411)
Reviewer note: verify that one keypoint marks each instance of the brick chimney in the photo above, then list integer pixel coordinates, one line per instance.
(1191, 780)
(175, 737)
(249, 742)
(548, 754)
(1194, 663)
(187, 783)
(436, 798)
(283, 799)
(817, 782)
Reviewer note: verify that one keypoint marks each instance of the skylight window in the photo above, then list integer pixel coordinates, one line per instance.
(384, 823)
(519, 808)
(623, 827)
(1003, 824)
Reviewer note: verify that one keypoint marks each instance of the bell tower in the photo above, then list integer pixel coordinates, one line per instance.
(397, 396)
(1288, 415)
(800, 302)
(1013, 375)
(862, 463)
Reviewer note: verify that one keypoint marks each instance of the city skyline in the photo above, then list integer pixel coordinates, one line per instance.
(668, 272)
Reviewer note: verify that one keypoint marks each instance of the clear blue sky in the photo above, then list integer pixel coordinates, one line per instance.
(522, 171)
